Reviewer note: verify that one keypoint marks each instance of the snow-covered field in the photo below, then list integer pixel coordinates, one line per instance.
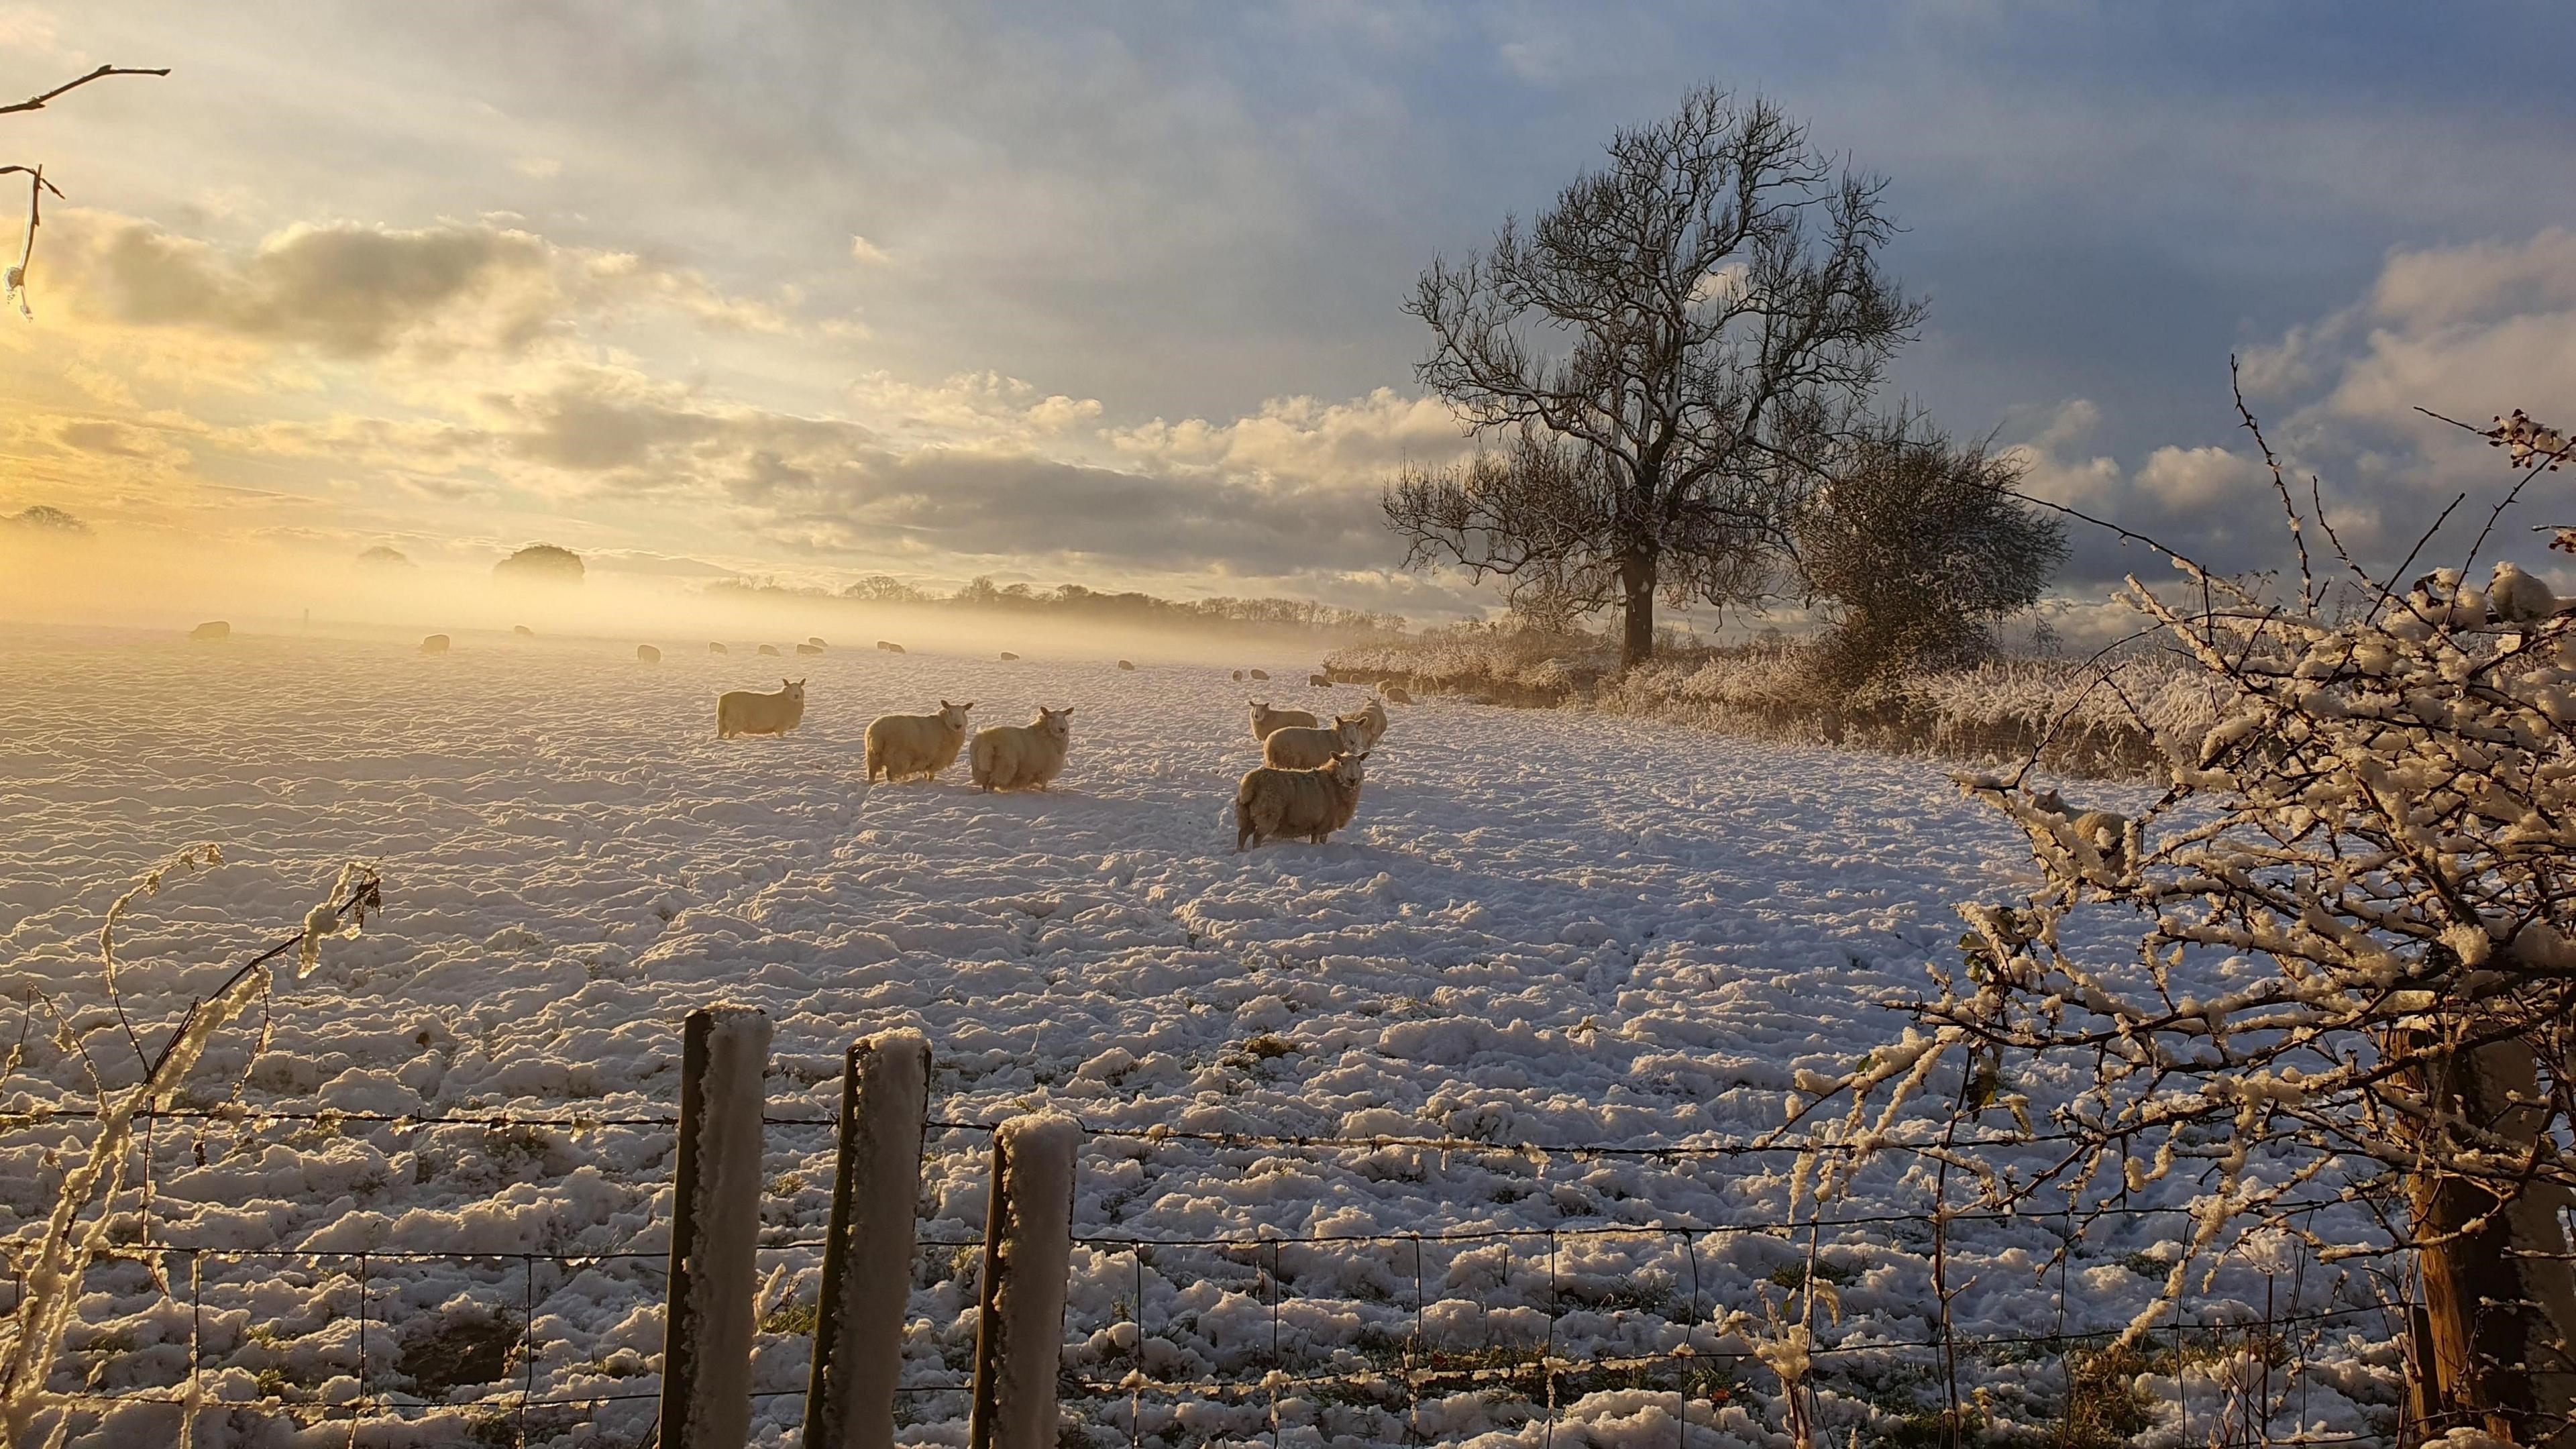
(1543, 928)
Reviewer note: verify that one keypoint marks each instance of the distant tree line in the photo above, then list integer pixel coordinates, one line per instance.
(1073, 601)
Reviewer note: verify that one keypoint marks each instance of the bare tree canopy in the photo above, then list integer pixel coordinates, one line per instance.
(1919, 547)
(1676, 347)
(14, 283)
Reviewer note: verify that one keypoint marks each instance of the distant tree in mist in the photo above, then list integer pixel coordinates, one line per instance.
(540, 563)
(1673, 351)
(45, 518)
(1918, 548)
(1075, 601)
(384, 557)
(14, 282)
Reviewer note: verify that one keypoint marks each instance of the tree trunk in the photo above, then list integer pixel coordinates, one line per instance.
(1636, 611)
(2499, 1294)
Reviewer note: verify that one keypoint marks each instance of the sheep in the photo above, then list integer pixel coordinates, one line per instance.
(1265, 719)
(902, 745)
(1394, 693)
(1029, 756)
(434, 644)
(523, 631)
(1128, 665)
(1273, 804)
(713, 648)
(211, 631)
(1261, 674)
(1010, 658)
(1295, 747)
(647, 654)
(889, 646)
(769, 650)
(1373, 721)
(748, 712)
(2106, 831)
(1238, 676)
(2518, 598)
(817, 641)
(1319, 681)
(809, 648)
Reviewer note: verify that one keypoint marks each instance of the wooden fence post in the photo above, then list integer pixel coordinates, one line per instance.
(1028, 1253)
(715, 1226)
(867, 1251)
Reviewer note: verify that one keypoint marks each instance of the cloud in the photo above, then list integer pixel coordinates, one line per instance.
(867, 253)
(353, 292)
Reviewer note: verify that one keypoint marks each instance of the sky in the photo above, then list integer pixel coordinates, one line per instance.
(1112, 293)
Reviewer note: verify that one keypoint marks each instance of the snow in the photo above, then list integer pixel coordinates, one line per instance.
(1541, 928)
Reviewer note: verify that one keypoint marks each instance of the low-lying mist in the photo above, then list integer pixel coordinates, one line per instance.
(155, 583)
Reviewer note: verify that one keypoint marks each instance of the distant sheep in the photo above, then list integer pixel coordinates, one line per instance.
(434, 644)
(906, 745)
(889, 646)
(1373, 721)
(749, 712)
(211, 631)
(2518, 598)
(817, 641)
(1265, 719)
(523, 631)
(809, 648)
(1320, 681)
(1302, 747)
(1260, 674)
(1276, 804)
(1238, 676)
(647, 654)
(1023, 757)
(1010, 658)
(770, 650)
(718, 649)
(1127, 664)
(1394, 693)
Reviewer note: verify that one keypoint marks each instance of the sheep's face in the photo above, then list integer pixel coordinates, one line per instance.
(954, 715)
(1352, 732)
(793, 691)
(1346, 770)
(1055, 724)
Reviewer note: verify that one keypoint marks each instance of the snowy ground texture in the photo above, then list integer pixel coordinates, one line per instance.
(1543, 928)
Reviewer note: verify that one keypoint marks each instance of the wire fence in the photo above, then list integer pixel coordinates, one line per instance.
(1642, 1332)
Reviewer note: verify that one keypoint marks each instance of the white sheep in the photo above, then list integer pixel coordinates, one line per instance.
(1238, 676)
(889, 646)
(2106, 831)
(647, 654)
(1373, 720)
(769, 651)
(434, 644)
(1128, 665)
(2518, 598)
(809, 648)
(211, 631)
(718, 649)
(1265, 719)
(1319, 681)
(1272, 804)
(1394, 693)
(1009, 658)
(817, 641)
(523, 631)
(916, 744)
(1023, 757)
(750, 712)
(1297, 747)
(1261, 674)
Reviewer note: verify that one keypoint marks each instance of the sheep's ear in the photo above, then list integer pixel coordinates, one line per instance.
(943, 704)
(970, 704)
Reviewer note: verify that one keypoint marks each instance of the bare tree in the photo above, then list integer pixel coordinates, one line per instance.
(2357, 980)
(14, 282)
(1919, 547)
(1673, 348)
